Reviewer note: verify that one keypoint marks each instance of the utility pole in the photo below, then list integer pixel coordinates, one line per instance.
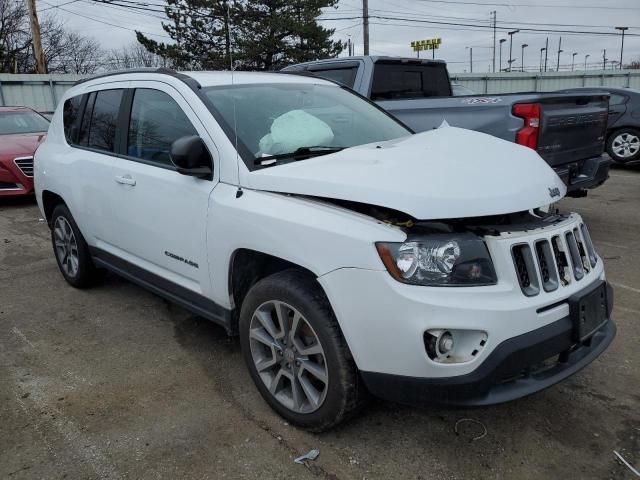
(573, 59)
(495, 18)
(546, 53)
(349, 46)
(559, 52)
(365, 25)
(524, 45)
(604, 59)
(622, 29)
(38, 53)
(541, 50)
(511, 34)
(585, 62)
(502, 40)
(470, 59)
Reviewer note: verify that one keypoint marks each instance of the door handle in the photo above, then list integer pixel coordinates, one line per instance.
(126, 180)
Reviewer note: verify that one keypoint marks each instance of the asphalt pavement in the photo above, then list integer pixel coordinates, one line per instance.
(115, 382)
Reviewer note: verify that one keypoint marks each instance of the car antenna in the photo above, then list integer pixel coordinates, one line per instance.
(235, 117)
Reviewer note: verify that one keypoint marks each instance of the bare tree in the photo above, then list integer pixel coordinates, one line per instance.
(65, 51)
(134, 56)
(15, 36)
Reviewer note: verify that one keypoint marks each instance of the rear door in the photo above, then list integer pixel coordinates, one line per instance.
(89, 160)
(617, 108)
(160, 215)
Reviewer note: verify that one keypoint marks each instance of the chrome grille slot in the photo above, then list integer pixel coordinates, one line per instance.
(593, 258)
(25, 164)
(547, 265)
(582, 250)
(552, 260)
(562, 261)
(525, 269)
(576, 260)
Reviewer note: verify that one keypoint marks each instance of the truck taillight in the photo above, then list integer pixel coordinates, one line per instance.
(528, 134)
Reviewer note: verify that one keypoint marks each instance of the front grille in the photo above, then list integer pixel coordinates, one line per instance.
(25, 164)
(555, 261)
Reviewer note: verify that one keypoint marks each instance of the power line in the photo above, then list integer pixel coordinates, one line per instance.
(434, 22)
(529, 5)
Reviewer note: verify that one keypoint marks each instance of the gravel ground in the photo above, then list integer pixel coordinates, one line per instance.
(114, 382)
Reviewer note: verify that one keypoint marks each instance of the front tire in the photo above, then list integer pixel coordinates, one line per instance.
(623, 145)
(296, 353)
(71, 250)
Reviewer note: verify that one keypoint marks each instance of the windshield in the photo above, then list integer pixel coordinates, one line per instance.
(12, 123)
(279, 119)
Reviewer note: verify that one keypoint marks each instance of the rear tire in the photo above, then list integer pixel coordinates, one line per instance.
(71, 250)
(291, 341)
(623, 145)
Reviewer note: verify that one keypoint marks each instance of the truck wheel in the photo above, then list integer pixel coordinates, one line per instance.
(623, 145)
(296, 353)
(71, 250)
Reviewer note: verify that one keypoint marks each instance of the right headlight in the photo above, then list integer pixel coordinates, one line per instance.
(439, 260)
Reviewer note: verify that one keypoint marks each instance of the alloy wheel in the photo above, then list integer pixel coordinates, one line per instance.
(288, 357)
(625, 145)
(66, 246)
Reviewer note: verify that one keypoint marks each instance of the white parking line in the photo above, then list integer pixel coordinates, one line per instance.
(612, 244)
(628, 310)
(625, 287)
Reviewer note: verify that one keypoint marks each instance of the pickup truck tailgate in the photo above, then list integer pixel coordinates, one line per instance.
(572, 127)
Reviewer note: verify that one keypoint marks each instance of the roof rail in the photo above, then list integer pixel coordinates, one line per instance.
(193, 83)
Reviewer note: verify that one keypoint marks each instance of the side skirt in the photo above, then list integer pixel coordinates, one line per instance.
(192, 301)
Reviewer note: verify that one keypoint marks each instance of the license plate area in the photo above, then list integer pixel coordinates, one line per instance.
(588, 311)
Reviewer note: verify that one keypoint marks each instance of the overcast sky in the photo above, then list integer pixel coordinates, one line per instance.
(393, 36)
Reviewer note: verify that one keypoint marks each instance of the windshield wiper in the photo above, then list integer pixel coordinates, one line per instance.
(298, 154)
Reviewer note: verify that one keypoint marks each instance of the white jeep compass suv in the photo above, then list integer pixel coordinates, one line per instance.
(348, 254)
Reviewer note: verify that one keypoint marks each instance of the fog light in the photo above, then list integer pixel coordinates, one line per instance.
(454, 346)
(445, 343)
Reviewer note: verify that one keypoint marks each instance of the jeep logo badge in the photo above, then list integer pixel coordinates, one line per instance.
(554, 192)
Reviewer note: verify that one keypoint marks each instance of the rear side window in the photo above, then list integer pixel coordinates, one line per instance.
(405, 81)
(102, 130)
(156, 122)
(70, 117)
(616, 99)
(344, 76)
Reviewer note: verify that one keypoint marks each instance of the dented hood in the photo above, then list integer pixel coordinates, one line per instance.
(444, 173)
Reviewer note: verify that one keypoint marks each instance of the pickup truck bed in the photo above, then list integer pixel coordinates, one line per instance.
(566, 129)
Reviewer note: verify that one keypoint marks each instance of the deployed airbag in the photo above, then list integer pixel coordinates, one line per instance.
(293, 130)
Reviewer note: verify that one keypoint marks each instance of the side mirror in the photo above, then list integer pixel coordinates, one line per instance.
(191, 157)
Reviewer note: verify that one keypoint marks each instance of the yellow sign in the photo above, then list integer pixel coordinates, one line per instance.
(429, 44)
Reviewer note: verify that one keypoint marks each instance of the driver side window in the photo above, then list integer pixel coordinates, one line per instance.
(156, 122)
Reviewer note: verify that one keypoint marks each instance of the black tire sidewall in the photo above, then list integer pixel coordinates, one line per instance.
(84, 275)
(615, 134)
(312, 304)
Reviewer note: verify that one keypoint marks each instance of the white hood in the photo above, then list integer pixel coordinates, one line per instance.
(445, 173)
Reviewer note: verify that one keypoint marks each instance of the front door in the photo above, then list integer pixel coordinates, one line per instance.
(160, 214)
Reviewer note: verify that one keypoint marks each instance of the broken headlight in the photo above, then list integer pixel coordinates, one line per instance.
(439, 260)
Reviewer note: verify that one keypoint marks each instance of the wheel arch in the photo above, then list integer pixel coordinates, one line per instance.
(50, 201)
(246, 268)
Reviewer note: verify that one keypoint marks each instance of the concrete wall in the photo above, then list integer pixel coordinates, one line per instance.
(42, 92)
(545, 82)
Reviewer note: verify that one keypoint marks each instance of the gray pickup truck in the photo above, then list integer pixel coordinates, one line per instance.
(566, 129)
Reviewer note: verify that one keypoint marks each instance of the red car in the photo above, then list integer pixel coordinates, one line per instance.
(21, 131)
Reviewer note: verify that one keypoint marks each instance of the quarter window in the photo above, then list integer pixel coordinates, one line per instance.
(70, 115)
(102, 131)
(156, 122)
(83, 135)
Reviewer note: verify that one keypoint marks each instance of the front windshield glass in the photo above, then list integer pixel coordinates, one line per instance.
(13, 123)
(277, 119)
